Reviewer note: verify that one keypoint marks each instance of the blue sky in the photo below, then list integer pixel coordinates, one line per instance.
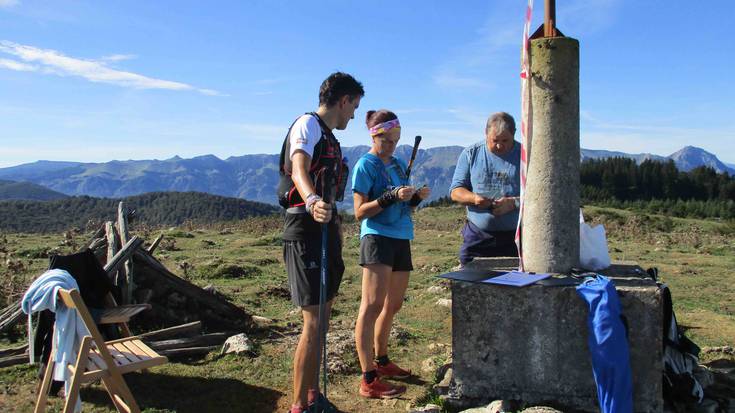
(99, 80)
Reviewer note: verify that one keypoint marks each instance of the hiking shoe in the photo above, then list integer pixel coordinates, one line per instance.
(380, 390)
(320, 404)
(392, 371)
(296, 408)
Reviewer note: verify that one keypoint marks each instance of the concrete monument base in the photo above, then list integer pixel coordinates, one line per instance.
(530, 343)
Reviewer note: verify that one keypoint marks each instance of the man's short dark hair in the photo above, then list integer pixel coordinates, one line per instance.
(339, 84)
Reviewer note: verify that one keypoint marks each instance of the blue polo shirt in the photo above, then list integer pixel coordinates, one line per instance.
(492, 176)
(372, 177)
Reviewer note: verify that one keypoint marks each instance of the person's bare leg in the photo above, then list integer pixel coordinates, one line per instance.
(305, 360)
(374, 287)
(397, 284)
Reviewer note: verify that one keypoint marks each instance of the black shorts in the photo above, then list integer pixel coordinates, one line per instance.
(394, 252)
(303, 265)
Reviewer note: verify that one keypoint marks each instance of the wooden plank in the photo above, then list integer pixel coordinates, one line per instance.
(188, 352)
(129, 355)
(97, 243)
(141, 350)
(125, 252)
(11, 319)
(130, 345)
(182, 330)
(119, 359)
(142, 365)
(197, 341)
(94, 375)
(155, 244)
(96, 361)
(97, 234)
(14, 351)
(9, 309)
(13, 360)
(122, 314)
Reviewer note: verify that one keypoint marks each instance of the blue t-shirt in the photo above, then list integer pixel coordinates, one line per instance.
(372, 177)
(492, 176)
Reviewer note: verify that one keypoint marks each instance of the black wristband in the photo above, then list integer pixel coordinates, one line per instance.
(388, 198)
(415, 200)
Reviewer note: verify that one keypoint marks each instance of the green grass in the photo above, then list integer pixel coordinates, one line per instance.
(243, 261)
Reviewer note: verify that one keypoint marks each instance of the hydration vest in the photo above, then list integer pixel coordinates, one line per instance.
(328, 170)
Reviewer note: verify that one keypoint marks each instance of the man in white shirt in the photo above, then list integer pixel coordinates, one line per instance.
(313, 175)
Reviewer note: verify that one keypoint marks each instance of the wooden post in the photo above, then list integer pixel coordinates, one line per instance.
(550, 18)
(112, 247)
(126, 275)
(155, 244)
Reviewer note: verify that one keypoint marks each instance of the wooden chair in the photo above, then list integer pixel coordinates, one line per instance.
(97, 360)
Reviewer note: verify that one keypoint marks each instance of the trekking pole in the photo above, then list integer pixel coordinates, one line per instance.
(416, 143)
(322, 320)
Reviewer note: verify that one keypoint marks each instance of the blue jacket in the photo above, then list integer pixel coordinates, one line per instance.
(608, 345)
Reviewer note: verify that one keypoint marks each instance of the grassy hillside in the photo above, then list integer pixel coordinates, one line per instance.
(153, 209)
(696, 259)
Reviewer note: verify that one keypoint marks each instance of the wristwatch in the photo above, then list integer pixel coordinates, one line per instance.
(517, 202)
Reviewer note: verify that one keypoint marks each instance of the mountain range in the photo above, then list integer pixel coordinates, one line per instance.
(254, 177)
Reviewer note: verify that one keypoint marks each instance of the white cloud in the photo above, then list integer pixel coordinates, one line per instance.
(118, 57)
(8, 3)
(211, 92)
(53, 62)
(18, 66)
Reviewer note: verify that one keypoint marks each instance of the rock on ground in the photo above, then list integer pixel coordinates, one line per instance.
(444, 302)
(429, 408)
(238, 344)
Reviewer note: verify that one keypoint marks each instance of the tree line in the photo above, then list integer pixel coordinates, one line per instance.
(154, 209)
(653, 186)
(658, 187)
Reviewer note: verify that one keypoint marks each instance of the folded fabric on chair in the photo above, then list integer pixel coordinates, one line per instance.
(69, 331)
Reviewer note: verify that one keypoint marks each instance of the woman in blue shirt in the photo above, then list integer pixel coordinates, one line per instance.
(384, 200)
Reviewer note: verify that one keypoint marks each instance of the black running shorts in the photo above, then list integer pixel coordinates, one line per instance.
(303, 265)
(394, 252)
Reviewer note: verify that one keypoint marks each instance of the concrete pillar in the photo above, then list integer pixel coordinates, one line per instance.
(550, 234)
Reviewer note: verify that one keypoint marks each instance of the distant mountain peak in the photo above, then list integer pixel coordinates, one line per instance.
(690, 157)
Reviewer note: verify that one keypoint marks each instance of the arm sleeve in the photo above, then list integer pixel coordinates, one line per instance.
(461, 176)
(304, 135)
(362, 180)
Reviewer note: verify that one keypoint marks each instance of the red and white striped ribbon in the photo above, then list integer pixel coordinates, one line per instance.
(526, 122)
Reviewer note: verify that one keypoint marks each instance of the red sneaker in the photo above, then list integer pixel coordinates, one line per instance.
(392, 371)
(296, 408)
(379, 390)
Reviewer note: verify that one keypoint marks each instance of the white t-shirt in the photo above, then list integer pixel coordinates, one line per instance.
(304, 135)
